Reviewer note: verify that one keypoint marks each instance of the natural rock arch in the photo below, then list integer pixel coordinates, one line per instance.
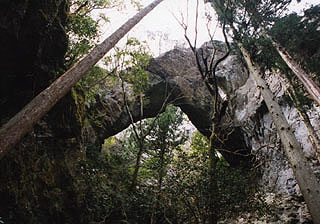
(174, 78)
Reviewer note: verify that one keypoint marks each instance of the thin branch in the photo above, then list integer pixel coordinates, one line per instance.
(196, 25)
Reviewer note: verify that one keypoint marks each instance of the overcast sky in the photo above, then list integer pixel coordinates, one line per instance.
(161, 30)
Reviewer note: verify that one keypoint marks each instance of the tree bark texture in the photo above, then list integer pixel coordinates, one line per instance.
(155, 207)
(213, 188)
(310, 85)
(313, 136)
(18, 126)
(306, 179)
(137, 166)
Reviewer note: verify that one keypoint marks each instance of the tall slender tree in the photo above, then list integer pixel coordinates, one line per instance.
(309, 27)
(312, 88)
(207, 66)
(164, 139)
(18, 126)
(258, 16)
(307, 180)
(242, 25)
(313, 136)
(299, 35)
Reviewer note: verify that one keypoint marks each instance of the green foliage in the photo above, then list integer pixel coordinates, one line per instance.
(82, 28)
(246, 17)
(101, 185)
(93, 84)
(83, 32)
(164, 133)
(301, 101)
(185, 189)
(189, 185)
(86, 6)
(264, 54)
(166, 129)
(300, 36)
(83, 36)
(137, 4)
(87, 91)
(297, 34)
(130, 63)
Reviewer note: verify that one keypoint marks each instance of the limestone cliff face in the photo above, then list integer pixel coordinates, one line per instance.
(175, 79)
(41, 174)
(277, 178)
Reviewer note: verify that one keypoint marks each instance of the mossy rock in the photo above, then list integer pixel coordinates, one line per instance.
(33, 44)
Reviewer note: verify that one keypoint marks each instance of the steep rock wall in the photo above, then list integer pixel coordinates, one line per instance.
(43, 168)
(36, 178)
(33, 43)
(175, 74)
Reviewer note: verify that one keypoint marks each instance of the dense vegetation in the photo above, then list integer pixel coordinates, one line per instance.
(154, 171)
(172, 182)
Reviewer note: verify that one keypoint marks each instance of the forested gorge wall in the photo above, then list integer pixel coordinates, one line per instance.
(33, 44)
(36, 183)
(42, 180)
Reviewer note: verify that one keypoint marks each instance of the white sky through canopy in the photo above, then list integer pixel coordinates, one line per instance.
(161, 30)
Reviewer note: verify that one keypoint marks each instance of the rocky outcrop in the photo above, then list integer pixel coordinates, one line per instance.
(175, 79)
(44, 168)
(174, 76)
(33, 43)
(37, 174)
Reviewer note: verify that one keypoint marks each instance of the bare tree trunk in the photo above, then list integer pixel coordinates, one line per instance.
(314, 139)
(213, 202)
(306, 179)
(310, 85)
(12, 132)
(137, 166)
(160, 179)
(213, 159)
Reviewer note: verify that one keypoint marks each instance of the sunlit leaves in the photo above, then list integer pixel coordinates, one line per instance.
(83, 28)
(86, 6)
(129, 63)
(137, 4)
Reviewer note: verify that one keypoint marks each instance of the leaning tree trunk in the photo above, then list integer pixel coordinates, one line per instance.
(310, 85)
(17, 127)
(306, 179)
(313, 136)
(314, 139)
(137, 166)
(156, 203)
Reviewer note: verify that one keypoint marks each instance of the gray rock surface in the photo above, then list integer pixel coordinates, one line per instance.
(174, 78)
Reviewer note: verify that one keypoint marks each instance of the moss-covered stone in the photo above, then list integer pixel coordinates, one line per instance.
(37, 182)
(36, 179)
(33, 43)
